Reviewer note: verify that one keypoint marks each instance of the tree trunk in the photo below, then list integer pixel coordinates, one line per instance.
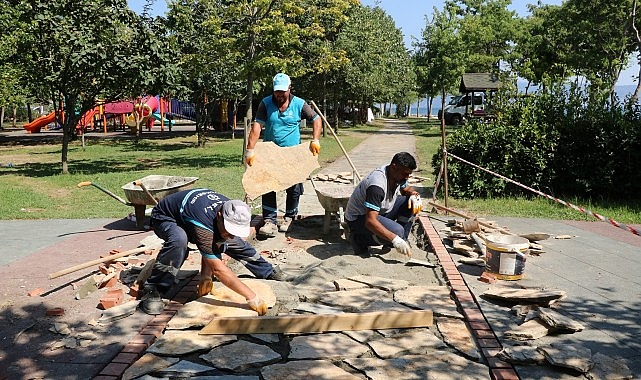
(15, 109)
(29, 115)
(429, 108)
(1, 117)
(637, 90)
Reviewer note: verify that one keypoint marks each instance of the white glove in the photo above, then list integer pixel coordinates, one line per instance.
(249, 156)
(257, 305)
(401, 246)
(414, 202)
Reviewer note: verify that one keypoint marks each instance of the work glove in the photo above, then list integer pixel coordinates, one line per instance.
(414, 202)
(314, 146)
(257, 305)
(401, 246)
(249, 157)
(205, 286)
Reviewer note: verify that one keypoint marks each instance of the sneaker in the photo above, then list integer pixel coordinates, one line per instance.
(286, 223)
(359, 249)
(269, 229)
(278, 275)
(151, 302)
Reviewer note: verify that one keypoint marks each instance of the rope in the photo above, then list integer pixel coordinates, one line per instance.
(578, 208)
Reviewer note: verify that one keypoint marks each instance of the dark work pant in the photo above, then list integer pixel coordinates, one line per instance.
(398, 220)
(270, 208)
(174, 253)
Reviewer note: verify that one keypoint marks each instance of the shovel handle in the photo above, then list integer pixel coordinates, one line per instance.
(85, 183)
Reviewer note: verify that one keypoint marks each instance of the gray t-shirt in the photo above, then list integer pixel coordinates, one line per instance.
(372, 194)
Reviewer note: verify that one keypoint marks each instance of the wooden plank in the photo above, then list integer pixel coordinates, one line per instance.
(312, 323)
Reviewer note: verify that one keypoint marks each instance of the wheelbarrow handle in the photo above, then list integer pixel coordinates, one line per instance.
(114, 196)
(142, 186)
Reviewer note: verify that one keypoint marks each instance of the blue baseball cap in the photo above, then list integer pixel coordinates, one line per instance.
(281, 82)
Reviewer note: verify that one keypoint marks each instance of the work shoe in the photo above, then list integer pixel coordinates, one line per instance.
(278, 275)
(269, 229)
(359, 249)
(151, 302)
(285, 224)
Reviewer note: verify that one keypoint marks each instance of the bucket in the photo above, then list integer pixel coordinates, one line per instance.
(505, 256)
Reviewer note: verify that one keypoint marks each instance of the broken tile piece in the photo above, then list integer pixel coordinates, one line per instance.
(568, 356)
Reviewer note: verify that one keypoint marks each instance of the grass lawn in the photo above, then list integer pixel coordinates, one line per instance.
(428, 135)
(33, 188)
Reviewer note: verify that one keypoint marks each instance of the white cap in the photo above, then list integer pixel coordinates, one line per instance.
(236, 218)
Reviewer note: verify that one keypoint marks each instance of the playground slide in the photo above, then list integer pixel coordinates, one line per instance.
(87, 119)
(36, 125)
(156, 116)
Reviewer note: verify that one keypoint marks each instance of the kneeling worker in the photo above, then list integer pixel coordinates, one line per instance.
(382, 207)
(216, 225)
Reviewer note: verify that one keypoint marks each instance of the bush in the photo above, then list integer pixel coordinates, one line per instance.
(559, 141)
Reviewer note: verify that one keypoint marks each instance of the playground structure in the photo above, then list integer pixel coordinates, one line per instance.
(147, 110)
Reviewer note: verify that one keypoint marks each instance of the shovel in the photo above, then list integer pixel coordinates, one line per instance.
(114, 196)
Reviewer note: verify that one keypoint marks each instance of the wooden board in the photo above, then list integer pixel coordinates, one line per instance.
(319, 322)
(277, 168)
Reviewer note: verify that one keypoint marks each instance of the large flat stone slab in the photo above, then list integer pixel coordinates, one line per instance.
(428, 297)
(456, 334)
(437, 365)
(413, 341)
(277, 168)
(240, 356)
(177, 342)
(223, 303)
(306, 369)
(325, 346)
(146, 364)
(353, 300)
(382, 283)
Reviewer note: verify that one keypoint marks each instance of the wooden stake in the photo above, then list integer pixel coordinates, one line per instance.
(98, 261)
(462, 215)
(305, 323)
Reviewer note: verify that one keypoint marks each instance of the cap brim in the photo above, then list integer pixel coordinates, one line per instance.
(236, 230)
(281, 88)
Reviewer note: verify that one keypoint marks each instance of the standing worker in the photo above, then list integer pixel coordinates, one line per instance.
(216, 225)
(382, 207)
(280, 114)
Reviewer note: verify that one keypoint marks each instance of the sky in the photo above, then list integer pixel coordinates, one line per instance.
(409, 16)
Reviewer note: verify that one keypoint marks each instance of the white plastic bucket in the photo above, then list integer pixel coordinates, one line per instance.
(505, 256)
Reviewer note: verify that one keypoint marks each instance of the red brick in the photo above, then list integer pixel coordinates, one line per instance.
(173, 306)
(36, 292)
(104, 377)
(473, 315)
(110, 283)
(111, 299)
(114, 369)
(487, 277)
(489, 343)
(55, 312)
(465, 297)
(137, 348)
(504, 374)
(143, 339)
(484, 334)
(114, 251)
(161, 319)
(480, 325)
(104, 269)
(155, 330)
(498, 363)
(490, 352)
(126, 358)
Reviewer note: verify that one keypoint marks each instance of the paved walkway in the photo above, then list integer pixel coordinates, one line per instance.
(597, 268)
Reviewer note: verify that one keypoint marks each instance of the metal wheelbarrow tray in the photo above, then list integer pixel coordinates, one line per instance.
(147, 191)
(334, 199)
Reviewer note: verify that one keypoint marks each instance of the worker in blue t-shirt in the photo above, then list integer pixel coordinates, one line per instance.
(280, 114)
(217, 225)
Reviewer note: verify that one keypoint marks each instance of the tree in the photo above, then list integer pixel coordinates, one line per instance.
(86, 51)
(379, 63)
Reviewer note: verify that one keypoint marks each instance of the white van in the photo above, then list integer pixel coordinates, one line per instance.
(459, 108)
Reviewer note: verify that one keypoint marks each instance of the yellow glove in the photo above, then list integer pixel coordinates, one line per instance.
(414, 202)
(314, 146)
(257, 305)
(205, 286)
(249, 156)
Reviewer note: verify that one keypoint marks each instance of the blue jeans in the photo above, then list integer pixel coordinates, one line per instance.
(398, 220)
(174, 253)
(270, 208)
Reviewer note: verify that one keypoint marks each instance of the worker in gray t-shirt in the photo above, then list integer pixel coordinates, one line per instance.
(382, 207)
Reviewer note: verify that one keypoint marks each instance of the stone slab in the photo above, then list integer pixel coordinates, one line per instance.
(240, 356)
(306, 369)
(176, 342)
(325, 346)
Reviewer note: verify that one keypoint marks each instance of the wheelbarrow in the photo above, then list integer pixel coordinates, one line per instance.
(147, 191)
(334, 201)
